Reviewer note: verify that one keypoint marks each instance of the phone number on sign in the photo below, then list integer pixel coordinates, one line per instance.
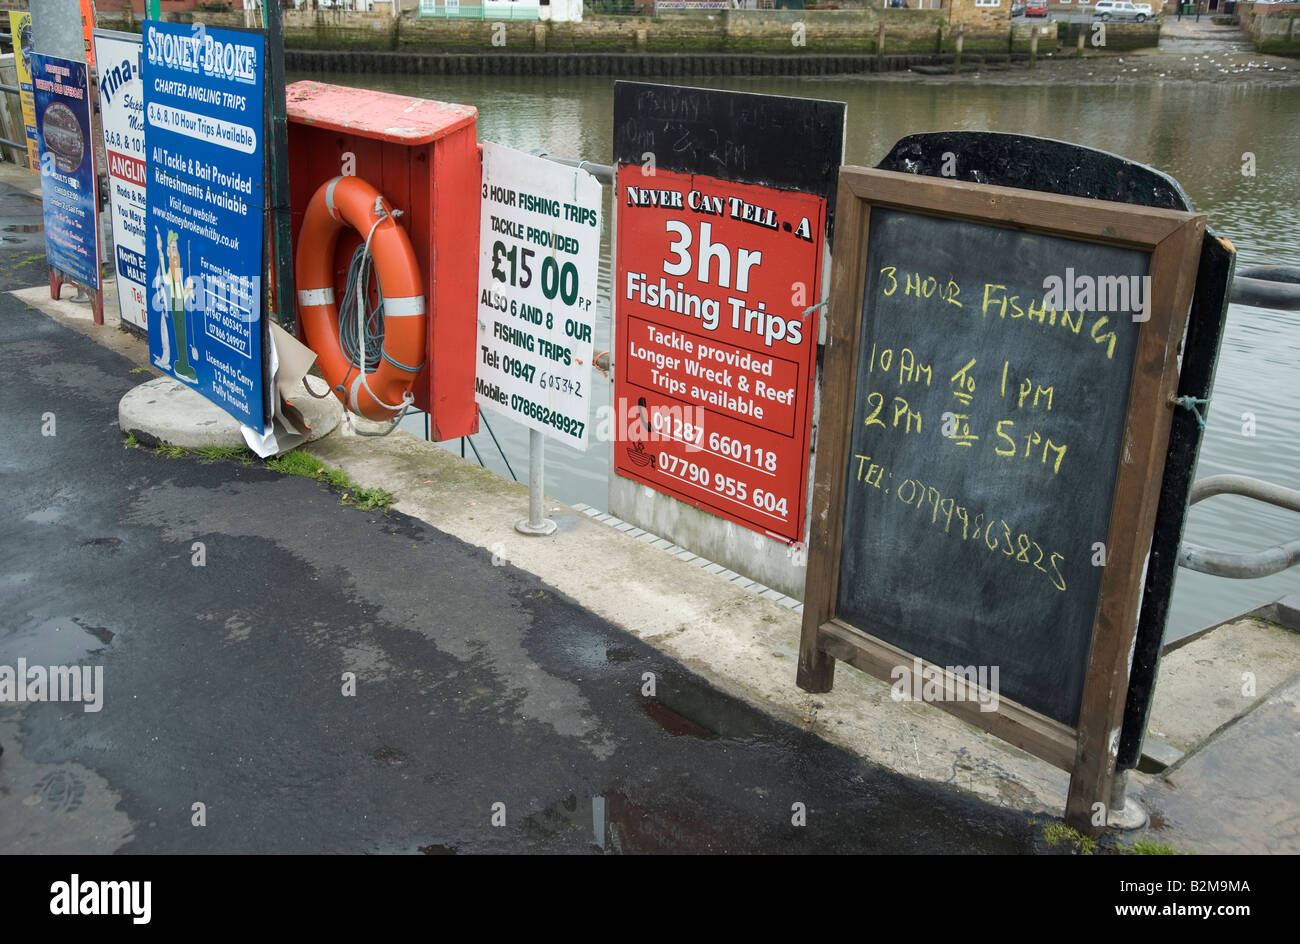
(738, 491)
(724, 447)
(547, 416)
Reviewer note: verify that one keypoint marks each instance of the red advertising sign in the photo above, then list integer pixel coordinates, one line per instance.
(715, 351)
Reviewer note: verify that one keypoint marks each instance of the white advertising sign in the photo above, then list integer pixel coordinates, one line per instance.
(121, 106)
(539, 242)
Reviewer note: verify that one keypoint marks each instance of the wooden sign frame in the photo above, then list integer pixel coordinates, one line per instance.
(1173, 240)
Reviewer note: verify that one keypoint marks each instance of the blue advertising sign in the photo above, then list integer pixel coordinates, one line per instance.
(67, 157)
(203, 202)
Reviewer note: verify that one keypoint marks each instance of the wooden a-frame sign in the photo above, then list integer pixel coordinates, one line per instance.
(936, 226)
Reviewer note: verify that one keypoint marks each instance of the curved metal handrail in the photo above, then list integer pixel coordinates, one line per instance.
(1267, 287)
(1242, 566)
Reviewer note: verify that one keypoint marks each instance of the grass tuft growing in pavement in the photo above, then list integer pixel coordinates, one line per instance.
(295, 462)
(1056, 833)
(369, 499)
(210, 454)
(298, 462)
(1149, 847)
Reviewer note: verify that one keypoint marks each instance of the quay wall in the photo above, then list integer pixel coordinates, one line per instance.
(1120, 37)
(1273, 27)
(784, 33)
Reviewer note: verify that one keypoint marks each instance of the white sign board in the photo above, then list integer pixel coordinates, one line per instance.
(539, 242)
(121, 107)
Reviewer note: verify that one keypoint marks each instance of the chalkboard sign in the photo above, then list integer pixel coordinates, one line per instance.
(998, 384)
(985, 441)
(730, 135)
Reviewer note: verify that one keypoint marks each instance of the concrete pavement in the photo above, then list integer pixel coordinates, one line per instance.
(331, 680)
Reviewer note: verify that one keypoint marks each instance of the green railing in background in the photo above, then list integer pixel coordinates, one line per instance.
(611, 7)
(515, 11)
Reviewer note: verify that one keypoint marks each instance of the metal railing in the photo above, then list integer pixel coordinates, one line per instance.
(1242, 566)
(611, 7)
(499, 11)
(1267, 287)
(13, 90)
(602, 172)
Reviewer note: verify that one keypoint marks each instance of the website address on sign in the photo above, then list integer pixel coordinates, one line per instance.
(1182, 911)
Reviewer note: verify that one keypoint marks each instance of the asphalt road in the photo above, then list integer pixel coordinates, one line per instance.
(480, 693)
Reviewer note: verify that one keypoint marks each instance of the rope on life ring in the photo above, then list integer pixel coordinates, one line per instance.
(376, 388)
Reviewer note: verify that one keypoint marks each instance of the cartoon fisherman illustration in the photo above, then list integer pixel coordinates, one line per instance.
(171, 279)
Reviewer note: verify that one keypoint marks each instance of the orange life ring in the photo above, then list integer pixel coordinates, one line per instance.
(350, 201)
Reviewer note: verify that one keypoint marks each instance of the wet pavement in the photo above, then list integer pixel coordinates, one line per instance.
(333, 680)
(1236, 793)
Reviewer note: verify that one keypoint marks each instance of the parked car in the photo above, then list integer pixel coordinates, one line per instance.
(1035, 7)
(1121, 10)
(1017, 7)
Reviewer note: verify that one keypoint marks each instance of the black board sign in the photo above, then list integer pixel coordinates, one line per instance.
(713, 132)
(999, 382)
(987, 427)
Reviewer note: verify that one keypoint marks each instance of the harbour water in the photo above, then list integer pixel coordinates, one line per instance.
(1202, 134)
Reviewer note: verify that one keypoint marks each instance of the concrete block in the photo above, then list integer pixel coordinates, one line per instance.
(1157, 755)
(1202, 685)
(164, 410)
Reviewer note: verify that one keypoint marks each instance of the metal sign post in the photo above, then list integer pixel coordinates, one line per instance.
(536, 523)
